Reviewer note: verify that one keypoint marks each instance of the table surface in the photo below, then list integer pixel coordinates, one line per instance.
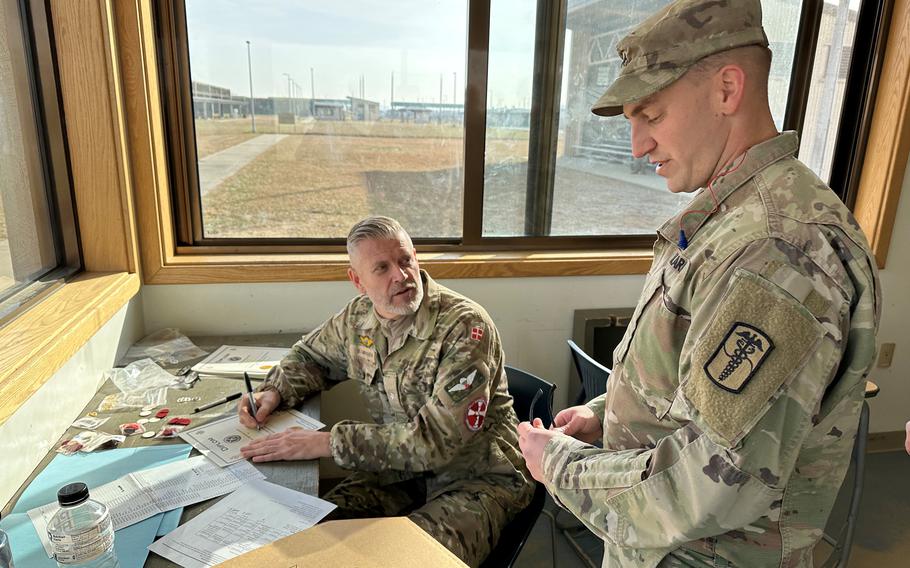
(300, 475)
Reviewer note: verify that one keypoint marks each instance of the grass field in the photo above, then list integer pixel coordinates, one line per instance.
(326, 175)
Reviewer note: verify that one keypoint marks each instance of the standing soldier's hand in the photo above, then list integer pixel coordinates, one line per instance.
(532, 438)
(580, 422)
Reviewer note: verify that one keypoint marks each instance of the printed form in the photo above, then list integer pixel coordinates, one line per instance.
(143, 494)
(221, 440)
(255, 515)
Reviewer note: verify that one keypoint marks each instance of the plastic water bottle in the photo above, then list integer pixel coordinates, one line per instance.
(6, 555)
(81, 532)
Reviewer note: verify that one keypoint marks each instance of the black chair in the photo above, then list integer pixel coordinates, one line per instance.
(844, 541)
(593, 375)
(532, 398)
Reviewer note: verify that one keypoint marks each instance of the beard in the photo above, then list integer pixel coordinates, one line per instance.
(409, 308)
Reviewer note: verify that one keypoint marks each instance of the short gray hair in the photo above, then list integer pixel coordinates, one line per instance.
(371, 228)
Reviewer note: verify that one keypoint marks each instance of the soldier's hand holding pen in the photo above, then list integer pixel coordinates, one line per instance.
(266, 402)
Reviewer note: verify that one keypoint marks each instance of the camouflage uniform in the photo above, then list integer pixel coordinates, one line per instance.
(735, 396)
(734, 401)
(444, 447)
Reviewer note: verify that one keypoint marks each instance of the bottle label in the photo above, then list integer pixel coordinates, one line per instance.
(81, 547)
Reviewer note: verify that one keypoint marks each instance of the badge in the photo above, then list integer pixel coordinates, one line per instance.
(366, 341)
(463, 383)
(476, 333)
(738, 357)
(475, 414)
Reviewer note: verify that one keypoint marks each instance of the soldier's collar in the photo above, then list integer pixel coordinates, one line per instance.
(756, 158)
(428, 310)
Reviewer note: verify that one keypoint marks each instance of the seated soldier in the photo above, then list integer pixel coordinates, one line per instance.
(443, 450)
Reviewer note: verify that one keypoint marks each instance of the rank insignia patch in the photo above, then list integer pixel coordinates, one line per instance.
(366, 341)
(475, 414)
(738, 357)
(476, 333)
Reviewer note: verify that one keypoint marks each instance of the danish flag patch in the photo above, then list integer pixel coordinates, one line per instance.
(476, 333)
(475, 414)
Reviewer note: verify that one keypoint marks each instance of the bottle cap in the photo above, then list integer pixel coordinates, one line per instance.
(72, 494)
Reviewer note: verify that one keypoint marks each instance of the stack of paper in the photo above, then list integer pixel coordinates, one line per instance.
(232, 361)
(143, 494)
(255, 515)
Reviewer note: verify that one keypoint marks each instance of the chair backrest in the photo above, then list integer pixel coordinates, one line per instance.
(532, 397)
(593, 375)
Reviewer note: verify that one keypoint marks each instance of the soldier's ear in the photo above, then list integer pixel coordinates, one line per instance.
(730, 87)
(355, 279)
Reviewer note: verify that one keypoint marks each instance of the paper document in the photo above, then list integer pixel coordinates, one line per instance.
(255, 515)
(140, 495)
(221, 440)
(234, 360)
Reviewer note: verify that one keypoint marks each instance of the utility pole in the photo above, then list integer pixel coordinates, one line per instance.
(249, 64)
(312, 93)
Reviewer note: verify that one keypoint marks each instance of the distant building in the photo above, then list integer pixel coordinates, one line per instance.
(330, 109)
(211, 101)
(426, 112)
(362, 109)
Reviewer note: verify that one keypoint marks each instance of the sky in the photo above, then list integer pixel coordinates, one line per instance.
(420, 41)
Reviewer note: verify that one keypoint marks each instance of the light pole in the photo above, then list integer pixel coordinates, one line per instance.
(249, 64)
(289, 90)
(312, 93)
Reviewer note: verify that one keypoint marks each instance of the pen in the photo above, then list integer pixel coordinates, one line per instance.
(215, 403)
(249, 390)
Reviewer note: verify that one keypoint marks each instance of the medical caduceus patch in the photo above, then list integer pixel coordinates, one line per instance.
(738, 357)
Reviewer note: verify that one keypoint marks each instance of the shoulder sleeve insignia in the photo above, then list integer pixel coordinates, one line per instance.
(476, 333)
(738, 357)
(475, 414)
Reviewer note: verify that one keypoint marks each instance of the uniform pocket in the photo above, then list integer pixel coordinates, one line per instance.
(652, 357)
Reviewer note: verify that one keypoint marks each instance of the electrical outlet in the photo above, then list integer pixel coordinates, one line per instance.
(885, 355)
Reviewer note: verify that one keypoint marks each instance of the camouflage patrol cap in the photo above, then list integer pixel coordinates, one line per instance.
(663, 47)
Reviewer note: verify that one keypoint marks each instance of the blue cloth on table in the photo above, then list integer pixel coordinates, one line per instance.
(95, 469)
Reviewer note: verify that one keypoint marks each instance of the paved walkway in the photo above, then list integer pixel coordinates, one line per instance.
(219, 166)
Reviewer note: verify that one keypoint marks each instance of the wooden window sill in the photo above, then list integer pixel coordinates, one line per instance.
(36, 344)
(214, 269)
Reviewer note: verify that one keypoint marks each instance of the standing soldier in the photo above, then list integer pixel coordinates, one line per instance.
(731, 412)
(443, 449)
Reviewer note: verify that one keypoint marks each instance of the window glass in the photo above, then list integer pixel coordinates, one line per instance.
(27, 245)
(829, 80)
(357, 110)
(600, 189)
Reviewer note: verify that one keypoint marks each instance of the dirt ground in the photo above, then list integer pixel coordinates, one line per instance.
(326, 175)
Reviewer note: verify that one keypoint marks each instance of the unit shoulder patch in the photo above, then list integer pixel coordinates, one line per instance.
(738, 357)
(475, 414)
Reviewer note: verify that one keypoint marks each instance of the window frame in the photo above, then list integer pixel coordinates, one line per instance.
(278, 260)
(37, 51)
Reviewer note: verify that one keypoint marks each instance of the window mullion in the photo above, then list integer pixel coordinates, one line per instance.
(544, 120)
(803, 61)
(475, 119)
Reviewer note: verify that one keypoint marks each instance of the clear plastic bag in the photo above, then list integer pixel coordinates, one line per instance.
(166, 346)
(140, 376)
(121, 401)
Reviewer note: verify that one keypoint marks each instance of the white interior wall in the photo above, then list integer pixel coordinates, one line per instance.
(33, 429)
(534, 315)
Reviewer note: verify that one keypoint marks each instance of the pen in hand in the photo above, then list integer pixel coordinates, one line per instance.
(249, 390)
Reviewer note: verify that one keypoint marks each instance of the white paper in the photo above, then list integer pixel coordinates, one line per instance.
(143, 494)
(255, 515)
(234, 360)
(221, 440)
